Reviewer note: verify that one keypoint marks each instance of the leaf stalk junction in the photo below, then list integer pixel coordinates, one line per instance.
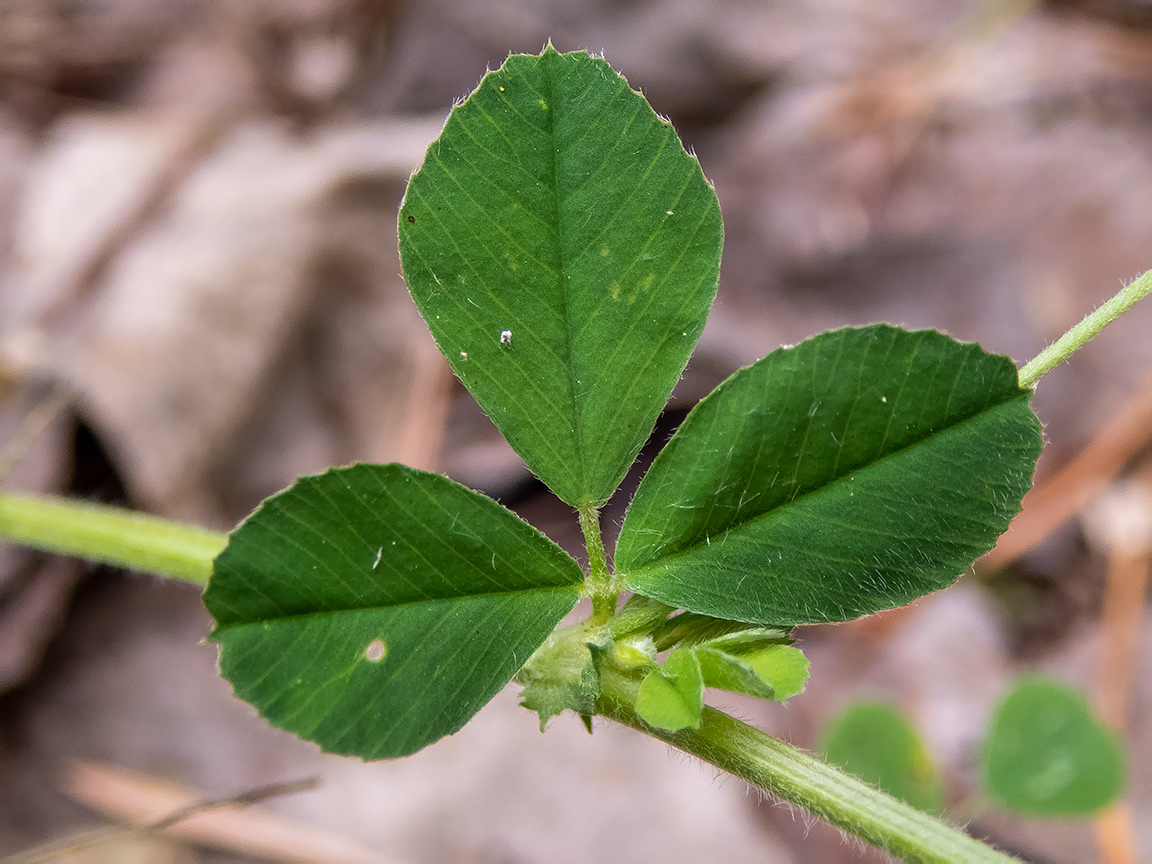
(602, 589)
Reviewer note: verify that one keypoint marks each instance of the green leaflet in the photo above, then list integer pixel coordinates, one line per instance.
(856, 471)
(776, 672)
(564, 250)
(1048, 755)
(671, 697)
(374, 609)
(880, 745)
(688, 628)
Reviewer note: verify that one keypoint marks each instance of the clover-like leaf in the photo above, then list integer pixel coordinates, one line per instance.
(375, 608)
(856, 471)
(564, 250)
(1048, 755)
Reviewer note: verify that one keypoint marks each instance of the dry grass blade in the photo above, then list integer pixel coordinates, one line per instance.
(45, 411)
(157, 806)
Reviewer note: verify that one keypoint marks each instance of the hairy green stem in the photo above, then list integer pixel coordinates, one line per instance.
(1086, 330)
(110, 535)
(798, 777)
(601, 587)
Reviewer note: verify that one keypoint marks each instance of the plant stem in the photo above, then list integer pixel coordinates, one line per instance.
(798, 777)
(110, 535)
(601, 588)
(1086, 330)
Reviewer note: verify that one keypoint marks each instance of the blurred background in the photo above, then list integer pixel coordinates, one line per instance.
(200, 299)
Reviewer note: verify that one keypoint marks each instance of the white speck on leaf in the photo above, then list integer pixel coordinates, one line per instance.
(375, 651)
(505, 337)
(669, 212)
(379, 556)
(463, 355)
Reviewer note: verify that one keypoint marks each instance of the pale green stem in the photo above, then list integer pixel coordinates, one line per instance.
(110, 535)
(601, 588)
(1086, 330)
(798, 777)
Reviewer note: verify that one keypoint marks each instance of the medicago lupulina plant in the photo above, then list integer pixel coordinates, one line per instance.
(564, 250)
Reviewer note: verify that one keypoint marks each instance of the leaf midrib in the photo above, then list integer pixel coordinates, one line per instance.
(565, 282)
(664, 559)
(377, 607)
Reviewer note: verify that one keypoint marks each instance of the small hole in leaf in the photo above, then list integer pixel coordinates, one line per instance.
(375, 651)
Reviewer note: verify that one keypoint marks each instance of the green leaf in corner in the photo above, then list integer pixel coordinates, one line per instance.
(1048, 755)
(854, 472)
(878, 744)
(564, 250)
(671, 697)
(375, 608)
